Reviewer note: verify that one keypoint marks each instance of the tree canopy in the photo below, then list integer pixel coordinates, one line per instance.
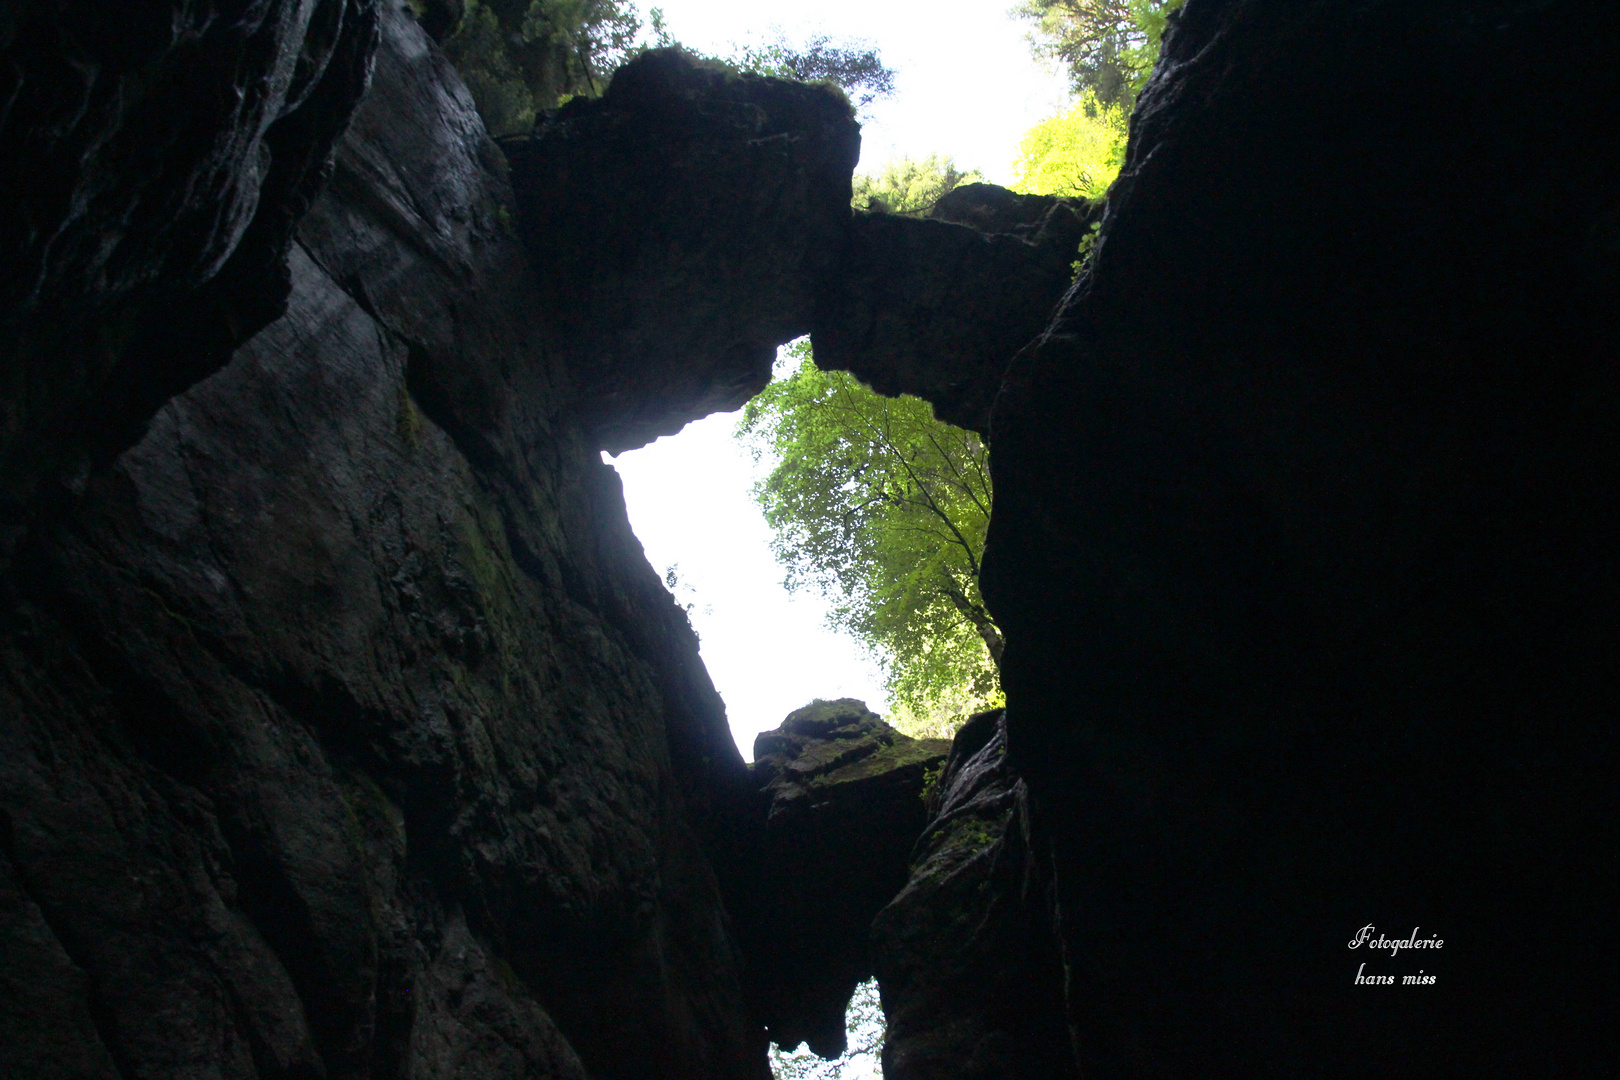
(854, 67)
(910, 185)
(1108, 46)
(883, 509)
(1078, 152)
(522, 57)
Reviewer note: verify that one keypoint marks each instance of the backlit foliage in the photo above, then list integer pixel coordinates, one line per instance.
(883, 509)
(910, 185)
(864, 1030)
(522, 56)
(1108, 46)
(1078, 152)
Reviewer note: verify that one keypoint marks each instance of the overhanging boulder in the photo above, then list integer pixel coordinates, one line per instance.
(937, 307)
(680, 226)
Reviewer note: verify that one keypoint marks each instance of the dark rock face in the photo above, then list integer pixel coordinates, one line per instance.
(153, 158)
(346, 732)
(967, 954)
(932, 308)
(344, 728)
(680, 226)
(1303, 549)
(842, 797)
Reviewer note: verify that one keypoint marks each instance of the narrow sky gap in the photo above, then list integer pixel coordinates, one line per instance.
(768, 653)
(966, 86)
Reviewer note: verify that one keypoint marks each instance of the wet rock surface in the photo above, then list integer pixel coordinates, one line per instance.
(967, 954)
(841, 793)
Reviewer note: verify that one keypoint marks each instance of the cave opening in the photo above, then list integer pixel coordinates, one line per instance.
(864, 1030)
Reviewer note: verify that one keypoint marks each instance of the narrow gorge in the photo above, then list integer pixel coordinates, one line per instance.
(346, 731)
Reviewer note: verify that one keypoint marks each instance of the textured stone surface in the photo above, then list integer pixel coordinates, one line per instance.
(841, 793)
(153, 158)
(46, 1025)
(967, 954)
(1303, 548)
(681, 225)
(345, 731)
(939, 306)
(344, 728)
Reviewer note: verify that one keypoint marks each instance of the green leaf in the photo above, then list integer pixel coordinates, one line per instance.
(882, 509)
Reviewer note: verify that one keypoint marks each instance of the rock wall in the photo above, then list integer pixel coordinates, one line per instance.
(967, 953)
(150, 156)
(1302, 549)
(345, 730)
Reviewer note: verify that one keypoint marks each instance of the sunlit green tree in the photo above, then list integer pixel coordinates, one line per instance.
(521, 56)
(1108, 46)
(883, 509)
(1078, 152)
(910, 185)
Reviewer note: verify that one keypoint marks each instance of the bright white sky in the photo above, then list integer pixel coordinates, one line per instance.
(966, 84)
(768, 653)
(967, 87)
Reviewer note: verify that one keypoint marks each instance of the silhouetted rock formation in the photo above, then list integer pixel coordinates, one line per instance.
(345, 730)
(679, 227)
(926, 306)
(967, 953)
(842, 807)
(1303, 548)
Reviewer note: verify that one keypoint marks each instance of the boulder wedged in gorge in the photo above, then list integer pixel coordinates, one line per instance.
(680, 225)
(938, 306)
(691, 219)
(841, 793)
